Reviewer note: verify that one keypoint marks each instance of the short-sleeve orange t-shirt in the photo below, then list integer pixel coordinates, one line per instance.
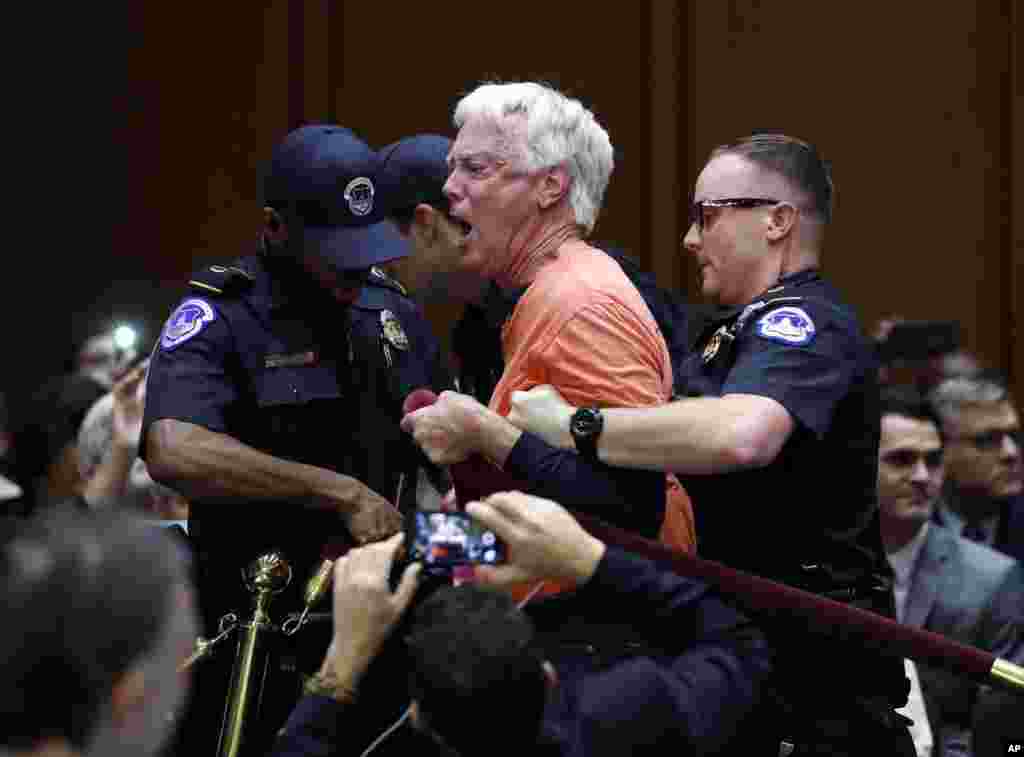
(583, 327)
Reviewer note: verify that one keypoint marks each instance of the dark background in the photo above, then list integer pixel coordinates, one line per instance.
(164, 112)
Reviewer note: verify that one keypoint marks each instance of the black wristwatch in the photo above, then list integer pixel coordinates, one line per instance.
(585, 427)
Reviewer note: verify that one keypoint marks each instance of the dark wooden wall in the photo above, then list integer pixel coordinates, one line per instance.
(919, 113)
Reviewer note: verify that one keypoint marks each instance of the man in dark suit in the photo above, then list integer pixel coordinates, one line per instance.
(983, 494)
(944, 583)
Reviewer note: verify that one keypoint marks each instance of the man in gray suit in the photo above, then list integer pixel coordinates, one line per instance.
(944, 583)
(983, 489)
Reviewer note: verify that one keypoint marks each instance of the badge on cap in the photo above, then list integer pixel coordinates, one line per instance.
(359, 196)
(188, 320)
(787, 325)
(393, 331)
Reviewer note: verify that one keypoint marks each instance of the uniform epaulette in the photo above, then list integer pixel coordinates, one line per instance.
(221, 280)
(377, 277)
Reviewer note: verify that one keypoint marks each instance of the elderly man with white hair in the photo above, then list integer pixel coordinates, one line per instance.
(527, 177)
(108, 447)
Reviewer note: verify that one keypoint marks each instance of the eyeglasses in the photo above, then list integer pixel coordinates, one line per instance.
(697, 209)
(990, 441)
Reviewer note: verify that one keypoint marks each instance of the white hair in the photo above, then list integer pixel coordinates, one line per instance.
(950, 396)
(95, 436)
(559, 131)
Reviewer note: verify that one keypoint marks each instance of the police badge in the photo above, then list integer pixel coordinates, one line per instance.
(711, 349)
(392, 330)
(359, 196)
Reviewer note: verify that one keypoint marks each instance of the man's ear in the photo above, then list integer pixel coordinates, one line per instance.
(424, 222)
(128, 696)
(553, 186)
(781, 221)
(274, 227)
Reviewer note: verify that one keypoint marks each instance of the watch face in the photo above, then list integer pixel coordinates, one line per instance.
(586, 422)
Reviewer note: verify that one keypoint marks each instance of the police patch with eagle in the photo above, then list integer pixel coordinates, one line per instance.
(788, 325)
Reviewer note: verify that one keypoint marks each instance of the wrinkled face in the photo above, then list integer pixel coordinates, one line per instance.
(731, 250)
(491, 194)
(983, 456)
(909, 468)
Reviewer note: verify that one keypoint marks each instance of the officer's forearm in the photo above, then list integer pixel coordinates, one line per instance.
(209, 466)
(702, 435)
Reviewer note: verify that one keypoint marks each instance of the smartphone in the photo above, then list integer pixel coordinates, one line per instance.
(920, 340)
(441, 540)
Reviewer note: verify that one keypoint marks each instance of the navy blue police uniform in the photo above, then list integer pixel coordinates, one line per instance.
(260, 352)
(809, 518)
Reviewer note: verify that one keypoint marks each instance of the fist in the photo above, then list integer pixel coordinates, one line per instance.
(375, 519)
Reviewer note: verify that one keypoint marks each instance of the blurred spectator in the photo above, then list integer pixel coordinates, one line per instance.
(45, 441)
(101, 359)
(104, 617)
(108, 446)
(922, 353)
(944, 583)
(983, 495)
(46, 427)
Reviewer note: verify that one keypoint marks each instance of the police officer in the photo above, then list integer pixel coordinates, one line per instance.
(777, 438)
(276, 388)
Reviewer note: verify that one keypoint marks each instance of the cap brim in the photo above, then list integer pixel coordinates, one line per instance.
(355, 246)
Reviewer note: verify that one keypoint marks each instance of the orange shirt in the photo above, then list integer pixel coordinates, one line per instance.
(583, 327)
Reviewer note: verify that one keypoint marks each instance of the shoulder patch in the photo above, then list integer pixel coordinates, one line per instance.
(190, 317)
(789, 325)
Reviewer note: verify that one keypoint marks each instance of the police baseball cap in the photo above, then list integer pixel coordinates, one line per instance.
(413, 171)
(327, 177)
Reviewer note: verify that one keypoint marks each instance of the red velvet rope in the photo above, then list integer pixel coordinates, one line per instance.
(476, 478)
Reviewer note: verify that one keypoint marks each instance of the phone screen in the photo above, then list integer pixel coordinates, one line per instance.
(443, 539)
